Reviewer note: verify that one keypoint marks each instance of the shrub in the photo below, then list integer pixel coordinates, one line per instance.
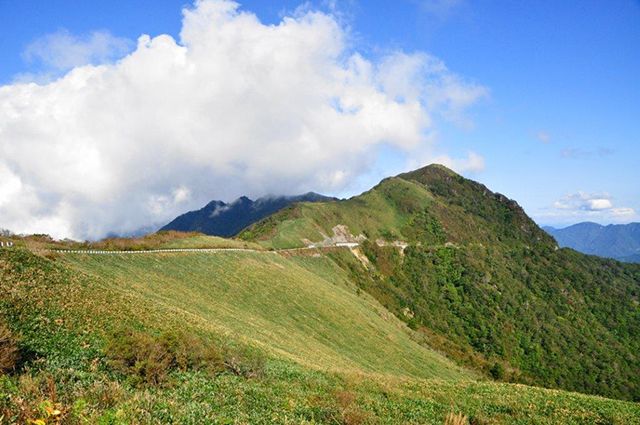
(138, 354)
(9, 353)
(497, 371)
(187, 352)
(388, 235)
(150, 358)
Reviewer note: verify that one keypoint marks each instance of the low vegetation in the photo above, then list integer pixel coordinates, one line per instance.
(148, 358)
(534, 327)
(9, 352)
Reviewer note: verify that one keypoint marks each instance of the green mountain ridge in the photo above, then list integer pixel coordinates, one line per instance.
(483, 281)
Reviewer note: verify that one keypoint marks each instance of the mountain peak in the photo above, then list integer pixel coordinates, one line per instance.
(440, 168)
(433, 170)
(214, 205)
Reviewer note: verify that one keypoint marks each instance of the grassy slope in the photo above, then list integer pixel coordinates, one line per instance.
(383, 212)
(502, 295)
(270, 301)
(63, 308)
(204, 241)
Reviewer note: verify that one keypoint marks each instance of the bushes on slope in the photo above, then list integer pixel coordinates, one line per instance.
(149, 358)
(8, 350)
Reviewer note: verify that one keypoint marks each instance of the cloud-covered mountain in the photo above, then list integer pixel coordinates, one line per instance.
(619, 241)
(221, 219)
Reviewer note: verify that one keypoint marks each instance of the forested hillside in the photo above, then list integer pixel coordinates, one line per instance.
(483, 282)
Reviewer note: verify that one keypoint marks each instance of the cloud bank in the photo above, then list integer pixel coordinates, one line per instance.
(582, 206)
(233, 107)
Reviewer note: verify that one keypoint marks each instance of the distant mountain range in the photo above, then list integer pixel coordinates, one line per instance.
(619, 241)
(221, 219)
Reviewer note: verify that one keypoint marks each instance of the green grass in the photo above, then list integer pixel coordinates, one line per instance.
(269, 301)
(334, 354)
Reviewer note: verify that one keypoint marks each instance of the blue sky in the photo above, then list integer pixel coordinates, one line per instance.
(558, 128)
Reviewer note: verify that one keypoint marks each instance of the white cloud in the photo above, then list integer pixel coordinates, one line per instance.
(623, 212)
(61, 50)
(441, 9)
(599, 204)
(400, 74)
(473, 163)
(584, 202)
(543, 137)
(583, 206)
(234, 107)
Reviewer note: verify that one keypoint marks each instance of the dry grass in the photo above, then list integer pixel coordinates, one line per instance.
(43, 243)
(8, 350)
(45, 246)
(38, 402)
(151, 241)
(349, 412)
(456, 419)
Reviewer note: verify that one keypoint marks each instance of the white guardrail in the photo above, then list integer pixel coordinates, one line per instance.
(151, 251)
(169, 250)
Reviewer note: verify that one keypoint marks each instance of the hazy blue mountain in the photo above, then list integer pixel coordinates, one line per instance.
(221, 219)
(635, 258)
(142, 231)
(619, 241)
